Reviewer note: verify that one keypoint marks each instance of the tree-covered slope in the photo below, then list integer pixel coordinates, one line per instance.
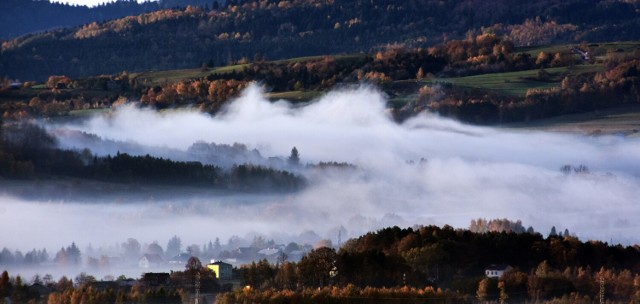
(181, 38)
(20, 17)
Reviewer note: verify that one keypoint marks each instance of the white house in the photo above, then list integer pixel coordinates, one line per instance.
(496, 271)
(149, 260)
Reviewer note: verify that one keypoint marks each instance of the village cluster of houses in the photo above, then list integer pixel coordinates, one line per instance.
(239, 256)
(223, 272)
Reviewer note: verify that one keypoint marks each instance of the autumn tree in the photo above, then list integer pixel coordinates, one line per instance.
(317, 266)
(83, 279)
(5, 285)
(193, 269)
(193, 265)
(513, 287)
(69, 256)
(286, 276)
(487, 290)
(426, 259)
(258, 275)
(54, 81)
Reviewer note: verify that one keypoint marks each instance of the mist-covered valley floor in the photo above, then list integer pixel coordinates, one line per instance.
(425, 170)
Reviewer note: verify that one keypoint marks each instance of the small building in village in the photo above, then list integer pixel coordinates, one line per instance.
(496, 271)
(150, 261)
(222, 270)
(180, 259)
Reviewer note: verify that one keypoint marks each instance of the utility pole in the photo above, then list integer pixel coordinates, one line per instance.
(601, 290)
(197, 287)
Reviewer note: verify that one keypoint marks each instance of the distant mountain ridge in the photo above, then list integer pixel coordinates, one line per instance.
(187, 38)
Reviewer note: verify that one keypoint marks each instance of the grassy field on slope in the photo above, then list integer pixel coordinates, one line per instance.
(171, 76)
(621, 120)
(517, 83)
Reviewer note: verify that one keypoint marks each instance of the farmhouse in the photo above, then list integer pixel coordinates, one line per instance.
(150, 260)
(496, 271)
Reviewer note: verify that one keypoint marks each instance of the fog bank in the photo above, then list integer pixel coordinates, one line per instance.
(467, 172)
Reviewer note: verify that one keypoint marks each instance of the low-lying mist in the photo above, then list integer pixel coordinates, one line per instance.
(426, 170)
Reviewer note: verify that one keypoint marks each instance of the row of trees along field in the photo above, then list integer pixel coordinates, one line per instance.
(617, 84)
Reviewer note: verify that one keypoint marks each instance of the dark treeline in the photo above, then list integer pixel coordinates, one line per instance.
(27, 151)
(175, 287)
(412, 265)
(186, 38)
(463, 252)
(19, 17)
(433, 263)
(392, 64)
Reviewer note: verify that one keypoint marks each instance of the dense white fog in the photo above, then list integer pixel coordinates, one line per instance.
(469, 172)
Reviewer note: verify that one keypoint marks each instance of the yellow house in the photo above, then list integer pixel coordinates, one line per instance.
(222, 270)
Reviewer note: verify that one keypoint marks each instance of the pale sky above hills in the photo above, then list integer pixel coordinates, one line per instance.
(86, 2)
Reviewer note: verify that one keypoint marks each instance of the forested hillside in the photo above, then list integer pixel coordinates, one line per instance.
(483, 80)
(432, 263)
(19, 17)
(27, 152)
(182, 38)
(423, 264)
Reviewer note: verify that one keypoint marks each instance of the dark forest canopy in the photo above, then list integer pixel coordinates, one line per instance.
(28, 152)
(19, 17)
(397, 265)
(185, 38)
(429, 262)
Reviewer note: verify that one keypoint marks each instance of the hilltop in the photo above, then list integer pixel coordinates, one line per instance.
(21, 17)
